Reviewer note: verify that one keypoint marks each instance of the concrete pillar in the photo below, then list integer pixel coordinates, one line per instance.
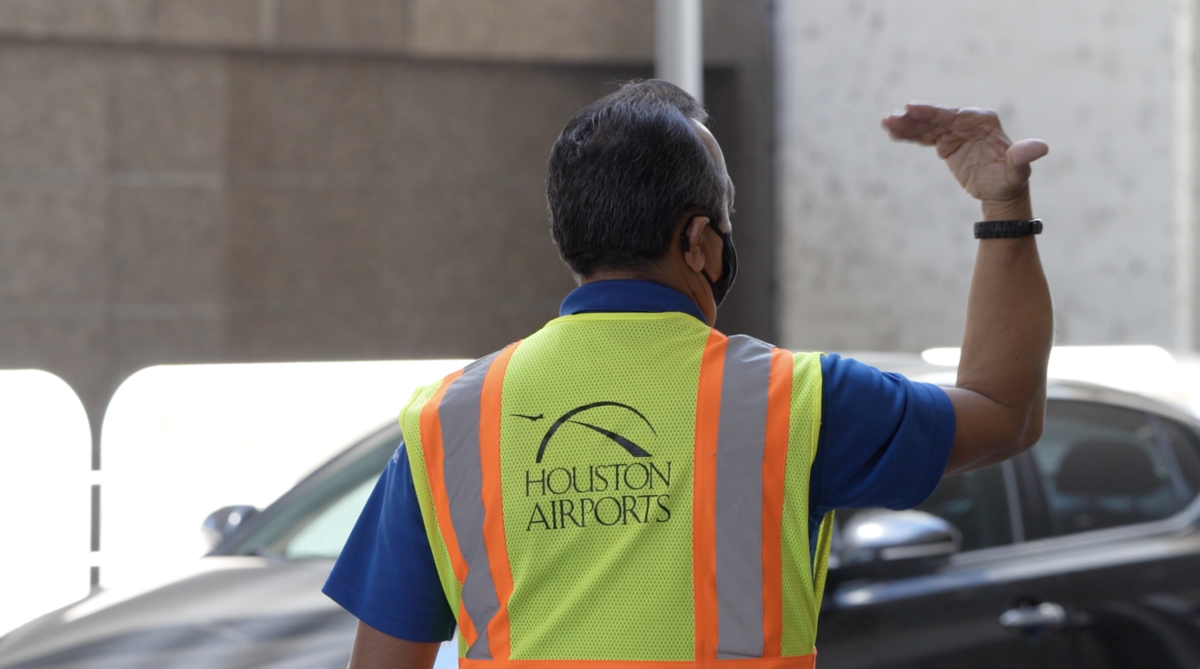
(1185, 183)
(678, 45)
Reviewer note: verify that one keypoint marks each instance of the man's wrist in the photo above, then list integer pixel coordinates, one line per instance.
(1019, 208)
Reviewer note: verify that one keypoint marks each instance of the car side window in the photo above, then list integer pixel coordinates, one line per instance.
(323, 535)
(977, 504)
(1104, 466)
(1185, 448)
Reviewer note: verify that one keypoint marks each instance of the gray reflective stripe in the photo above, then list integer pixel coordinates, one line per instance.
(741, 440)
(459, 416)
(479, 597)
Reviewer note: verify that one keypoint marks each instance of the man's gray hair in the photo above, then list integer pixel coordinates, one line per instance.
(623, 173)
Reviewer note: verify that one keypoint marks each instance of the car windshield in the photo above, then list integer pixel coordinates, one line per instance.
(314, 519)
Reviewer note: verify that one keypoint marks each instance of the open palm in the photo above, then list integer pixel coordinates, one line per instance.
(988, 165)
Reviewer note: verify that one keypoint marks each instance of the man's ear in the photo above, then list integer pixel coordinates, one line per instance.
(690, 243)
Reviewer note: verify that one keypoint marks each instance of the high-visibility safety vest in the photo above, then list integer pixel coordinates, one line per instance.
(624, 491)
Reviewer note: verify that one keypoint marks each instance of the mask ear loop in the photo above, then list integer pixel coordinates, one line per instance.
(684, 242)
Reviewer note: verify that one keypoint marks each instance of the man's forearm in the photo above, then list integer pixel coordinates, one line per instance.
(1007, 339)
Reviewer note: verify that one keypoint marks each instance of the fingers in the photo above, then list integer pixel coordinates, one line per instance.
(921, 123)
(1026, 151)
(927, 124)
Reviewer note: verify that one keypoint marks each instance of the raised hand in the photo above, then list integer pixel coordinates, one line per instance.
(986, 163)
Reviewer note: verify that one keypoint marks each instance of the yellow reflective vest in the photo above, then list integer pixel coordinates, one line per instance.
(625, 489)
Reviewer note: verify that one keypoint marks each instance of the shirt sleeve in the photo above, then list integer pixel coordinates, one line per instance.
(385, 575)
(884, 440)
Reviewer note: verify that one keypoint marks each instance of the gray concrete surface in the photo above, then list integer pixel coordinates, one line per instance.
(257, 180)
(876, 237)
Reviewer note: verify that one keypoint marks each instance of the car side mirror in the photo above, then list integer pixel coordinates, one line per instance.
(224, 522)
(882, 542)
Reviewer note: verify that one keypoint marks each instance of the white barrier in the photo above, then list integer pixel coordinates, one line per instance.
(45, 498)
(178, 442)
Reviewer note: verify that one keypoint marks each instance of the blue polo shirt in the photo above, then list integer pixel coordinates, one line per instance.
(884, 442)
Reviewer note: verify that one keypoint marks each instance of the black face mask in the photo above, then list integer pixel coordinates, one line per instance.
(720, 287)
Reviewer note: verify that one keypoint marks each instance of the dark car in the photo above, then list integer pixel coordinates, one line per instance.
(1083, 553)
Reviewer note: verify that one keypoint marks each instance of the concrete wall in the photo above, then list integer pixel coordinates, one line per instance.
(876, 246)
(261, 180)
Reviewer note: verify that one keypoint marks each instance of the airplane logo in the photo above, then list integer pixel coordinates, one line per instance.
(571, 418)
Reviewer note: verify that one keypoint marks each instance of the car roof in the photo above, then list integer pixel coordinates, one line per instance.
(1060, 389)
(913, 366)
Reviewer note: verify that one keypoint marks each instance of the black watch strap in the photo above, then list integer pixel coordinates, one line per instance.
(1007, 229)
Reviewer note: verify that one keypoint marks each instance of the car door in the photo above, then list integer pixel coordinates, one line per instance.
(941, 615)
(1117, 487)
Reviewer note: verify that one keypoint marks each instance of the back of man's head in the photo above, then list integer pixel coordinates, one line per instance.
(623, 173)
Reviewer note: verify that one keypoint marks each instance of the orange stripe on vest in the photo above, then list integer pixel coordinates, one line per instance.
(493, 521)
(779, 404)
(704, 503)
(431, 445)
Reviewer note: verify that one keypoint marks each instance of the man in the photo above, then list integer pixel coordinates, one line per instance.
(628, 485)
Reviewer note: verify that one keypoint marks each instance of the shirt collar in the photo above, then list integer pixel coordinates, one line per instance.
(628, 295)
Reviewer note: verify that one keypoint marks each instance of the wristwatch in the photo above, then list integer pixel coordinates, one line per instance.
(1007, 229)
